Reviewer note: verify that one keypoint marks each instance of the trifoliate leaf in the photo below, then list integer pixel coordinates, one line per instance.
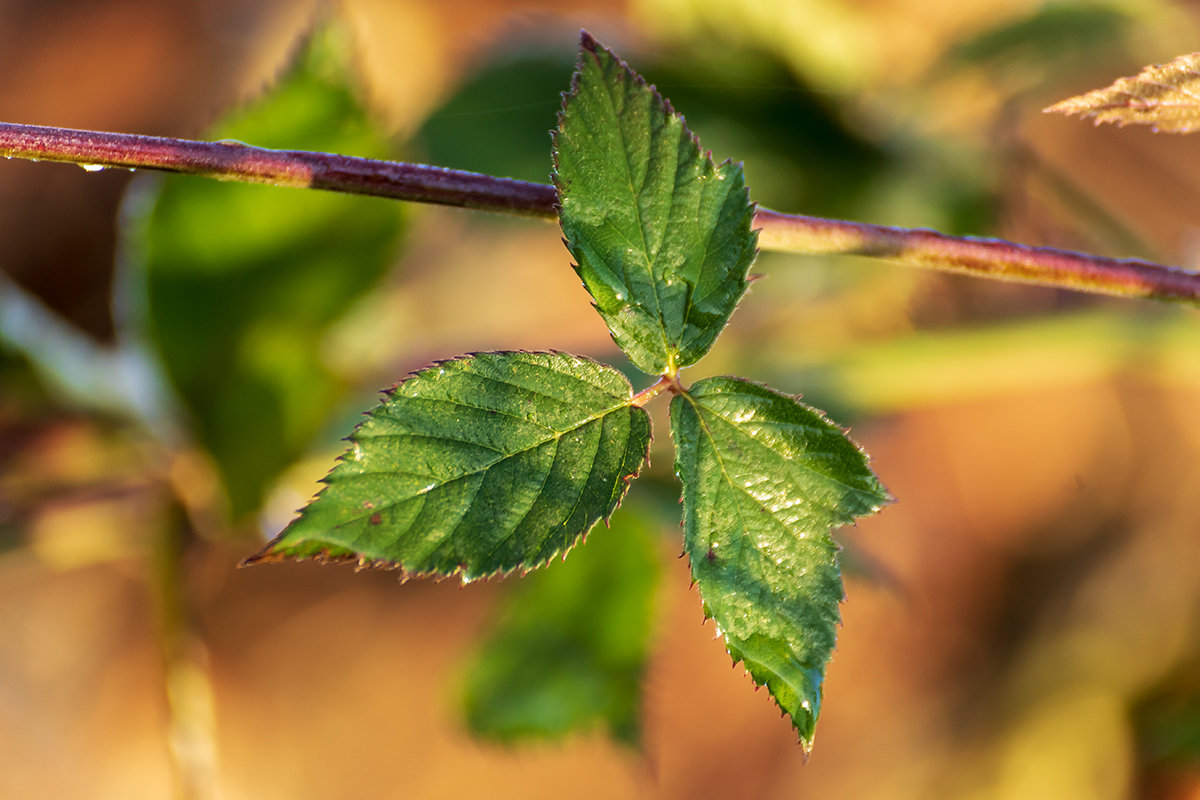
(764, 479)
(1166, 96)
(570, 650)
(661, 235)
(479, 465)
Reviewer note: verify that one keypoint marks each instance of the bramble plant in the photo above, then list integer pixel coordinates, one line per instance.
(500, 462)
(497, 462)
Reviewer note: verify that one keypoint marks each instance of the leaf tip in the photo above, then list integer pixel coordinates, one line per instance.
(1061, 107)
(253, 560)
(269, 554)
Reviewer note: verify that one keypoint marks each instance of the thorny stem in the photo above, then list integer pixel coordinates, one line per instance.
(991, 258)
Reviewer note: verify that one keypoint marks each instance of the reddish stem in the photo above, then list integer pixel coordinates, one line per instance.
(229, 160)
(646, 395)
(988, 258)
(991, 258)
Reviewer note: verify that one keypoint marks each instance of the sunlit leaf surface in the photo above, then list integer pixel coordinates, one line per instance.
(1165, 96)
(478, 466)
(661, 235)
(764, 479)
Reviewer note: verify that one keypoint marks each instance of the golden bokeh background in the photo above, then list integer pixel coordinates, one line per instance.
(1023, 623)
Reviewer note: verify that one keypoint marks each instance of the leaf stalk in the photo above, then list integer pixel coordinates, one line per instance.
(646, 395)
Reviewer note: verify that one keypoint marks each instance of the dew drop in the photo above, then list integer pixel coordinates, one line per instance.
(91, 167)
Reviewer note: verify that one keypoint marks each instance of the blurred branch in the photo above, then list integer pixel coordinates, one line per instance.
(228, 160)
(189, 693)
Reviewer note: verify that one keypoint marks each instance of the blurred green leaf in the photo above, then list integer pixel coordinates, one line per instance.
(1056, 36)
(798, 153)
(764, 479)
(569, 652)
(1167, 721)
(240, 283)
(660, 233)
(25, 393)
(499, 120)
(480, 465)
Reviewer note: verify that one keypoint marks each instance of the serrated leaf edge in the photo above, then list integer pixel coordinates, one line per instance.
(267, 555)
(589, 43)
(888, 498)
(739, 658)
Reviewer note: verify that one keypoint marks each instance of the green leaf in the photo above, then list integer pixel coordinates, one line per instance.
(241, 283)
(495, 123)
(1052, 39)
(479, 465)
(570, 650)
(764, 478)
(660, 234)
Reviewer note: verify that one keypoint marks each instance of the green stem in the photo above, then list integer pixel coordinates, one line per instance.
(990, 258)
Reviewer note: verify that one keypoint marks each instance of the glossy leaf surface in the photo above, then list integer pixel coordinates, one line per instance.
(764, 479)
(569, 652)
(661, 235)
(480, 465)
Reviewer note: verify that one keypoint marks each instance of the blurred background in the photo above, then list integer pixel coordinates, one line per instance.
(179, 359)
